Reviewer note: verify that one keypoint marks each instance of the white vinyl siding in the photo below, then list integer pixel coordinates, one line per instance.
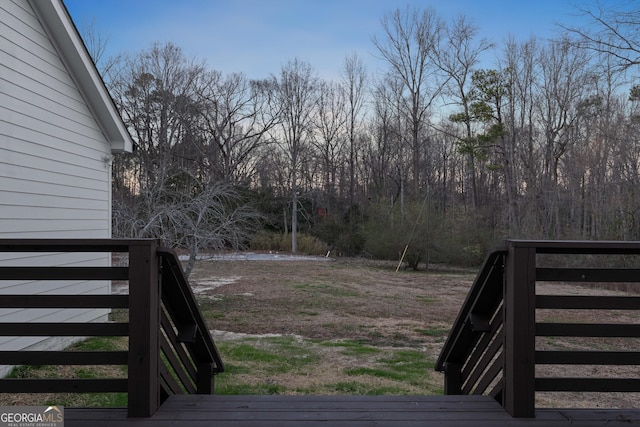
(51, 147)
(54, 165)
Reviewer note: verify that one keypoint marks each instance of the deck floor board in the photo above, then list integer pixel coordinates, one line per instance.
(338, 411)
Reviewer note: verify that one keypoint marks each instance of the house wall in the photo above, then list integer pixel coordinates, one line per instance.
(54, 166)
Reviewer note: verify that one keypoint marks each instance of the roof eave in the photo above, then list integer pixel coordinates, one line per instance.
(64, 34)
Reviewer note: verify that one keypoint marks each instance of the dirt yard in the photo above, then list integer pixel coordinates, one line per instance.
(356, 300)
(337, 299)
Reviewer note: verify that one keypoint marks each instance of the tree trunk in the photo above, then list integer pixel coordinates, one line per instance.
(294, 211)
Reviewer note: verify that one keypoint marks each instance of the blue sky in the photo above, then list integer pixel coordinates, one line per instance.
(258, 36)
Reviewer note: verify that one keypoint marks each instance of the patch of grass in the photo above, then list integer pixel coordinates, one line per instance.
(235, 369)
(253, 366)
(409, 358)
(85, 373)
(293, 354)
(348, 387)
(413, 365)
(351, 348)
(23, 372)
(247, 353)
(375, 372)
(100, 344)
(426, 299)
(276, 355)
(249, 389)
(359, 388)
(406, 366)
(90, 400)
(253, 357)
(212, 314)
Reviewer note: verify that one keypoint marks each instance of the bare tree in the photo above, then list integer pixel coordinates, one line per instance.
(157, 93)
(521, 149)
(160, 190)
(563, 84)
(544, 145)
(614, 29)
(354, 81)
(456, 58)
(379, 155)
(408, 46)
(330, 123)
(295, 97)
(237, 114)
(96, 44)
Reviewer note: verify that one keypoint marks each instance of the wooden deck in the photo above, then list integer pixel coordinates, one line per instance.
(341, 411)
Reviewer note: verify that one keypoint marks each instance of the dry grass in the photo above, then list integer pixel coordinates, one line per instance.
(371, 303)
(325, 304)
(331, 300)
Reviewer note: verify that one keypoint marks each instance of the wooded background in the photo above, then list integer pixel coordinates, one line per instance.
(438, 152)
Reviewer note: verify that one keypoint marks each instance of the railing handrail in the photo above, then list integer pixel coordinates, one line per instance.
(577, 247)
(172, 262)
(71, 245)
(189, 364)
(491, 261)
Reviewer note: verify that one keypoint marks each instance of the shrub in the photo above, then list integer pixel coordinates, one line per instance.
(339, 237)
(267, 241)
(428, 236)
(271, 241)
(391, 229)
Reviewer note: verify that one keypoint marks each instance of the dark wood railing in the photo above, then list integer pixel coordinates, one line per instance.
(491, 348)
(170, 349)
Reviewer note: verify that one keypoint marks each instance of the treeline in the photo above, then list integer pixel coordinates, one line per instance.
(439, 155)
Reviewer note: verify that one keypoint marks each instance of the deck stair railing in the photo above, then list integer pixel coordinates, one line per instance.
(491, 348)
(169, 351)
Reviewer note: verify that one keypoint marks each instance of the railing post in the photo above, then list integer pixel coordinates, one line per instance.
(519, 331)
(452, 378)
(205, 384)
(144, 329)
